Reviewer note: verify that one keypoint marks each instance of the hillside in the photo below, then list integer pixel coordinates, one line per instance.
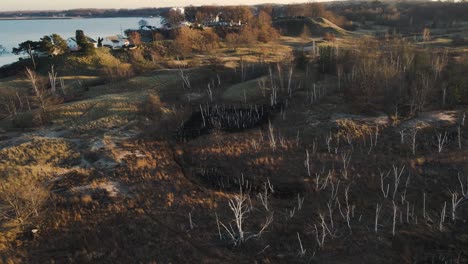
(318, 27)
(246, 147)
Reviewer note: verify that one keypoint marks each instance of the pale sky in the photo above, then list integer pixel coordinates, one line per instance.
(16, 5)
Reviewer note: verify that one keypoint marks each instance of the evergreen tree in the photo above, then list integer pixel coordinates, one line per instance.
(27, 46)
(83, 42)
(47, 45)
(59, 43)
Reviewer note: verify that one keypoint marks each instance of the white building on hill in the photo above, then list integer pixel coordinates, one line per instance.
(73, 45)
(115, 42)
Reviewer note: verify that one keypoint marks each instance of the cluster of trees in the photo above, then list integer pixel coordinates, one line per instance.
(259, 29)
(245, 14)
(188, 41)
(382, 13)
(226, 13)
(404, 16)
(437, 13)
(313, 10)
(52, 45)
(83, 43)
(90, 12)
(256, 28)
(395, 76)
(141, 12)
(174, 18)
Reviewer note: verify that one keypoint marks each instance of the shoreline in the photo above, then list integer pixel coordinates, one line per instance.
(36, 18)
(61, 18)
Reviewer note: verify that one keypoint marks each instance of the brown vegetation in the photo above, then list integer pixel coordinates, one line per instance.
(324, 148)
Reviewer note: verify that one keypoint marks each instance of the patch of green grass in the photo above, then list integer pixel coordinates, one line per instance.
(246, 91)
(39, 151)
(123, 105)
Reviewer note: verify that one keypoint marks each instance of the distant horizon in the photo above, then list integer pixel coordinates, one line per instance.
(64, 5)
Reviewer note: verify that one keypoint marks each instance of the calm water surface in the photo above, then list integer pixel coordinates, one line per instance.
(13, 32)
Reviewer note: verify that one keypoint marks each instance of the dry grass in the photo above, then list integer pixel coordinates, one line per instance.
(40, 151)
(25, 171)
(110, 107)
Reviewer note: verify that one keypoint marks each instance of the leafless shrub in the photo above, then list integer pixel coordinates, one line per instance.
(318, 185)
(219, 228)
(424, 205)
(374, 137)
(395, 208)
(402, 136)
(438, 65)
(274, 88)
(328, 140)
(12, 103)
(330, 213)
(264, 196)
(442, 141)
(323, 233)
(397, 173)
(307, 162)
(185, 79)
(262, 85)
(463, 119)
(42, 96)
(21, 198)
(442, 217)
(268, 221)
(378, 208)
(37, 87)
(456, 200)
(190, 221)
(459, 134)
(348, 209)
(420, 90)
(334, 190)
(239, 208)
(315, 93)
(209, 91)
(271, 135)
(382, 179)
(413, 145)
(346, 159)
(302, 251)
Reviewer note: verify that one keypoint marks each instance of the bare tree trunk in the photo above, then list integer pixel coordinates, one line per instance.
(31, 55)
(39, 93)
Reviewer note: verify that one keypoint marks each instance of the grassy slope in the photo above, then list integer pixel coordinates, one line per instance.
(317, 27)
(248, 90)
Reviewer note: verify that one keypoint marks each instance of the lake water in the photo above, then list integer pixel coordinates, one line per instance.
(13, 32)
